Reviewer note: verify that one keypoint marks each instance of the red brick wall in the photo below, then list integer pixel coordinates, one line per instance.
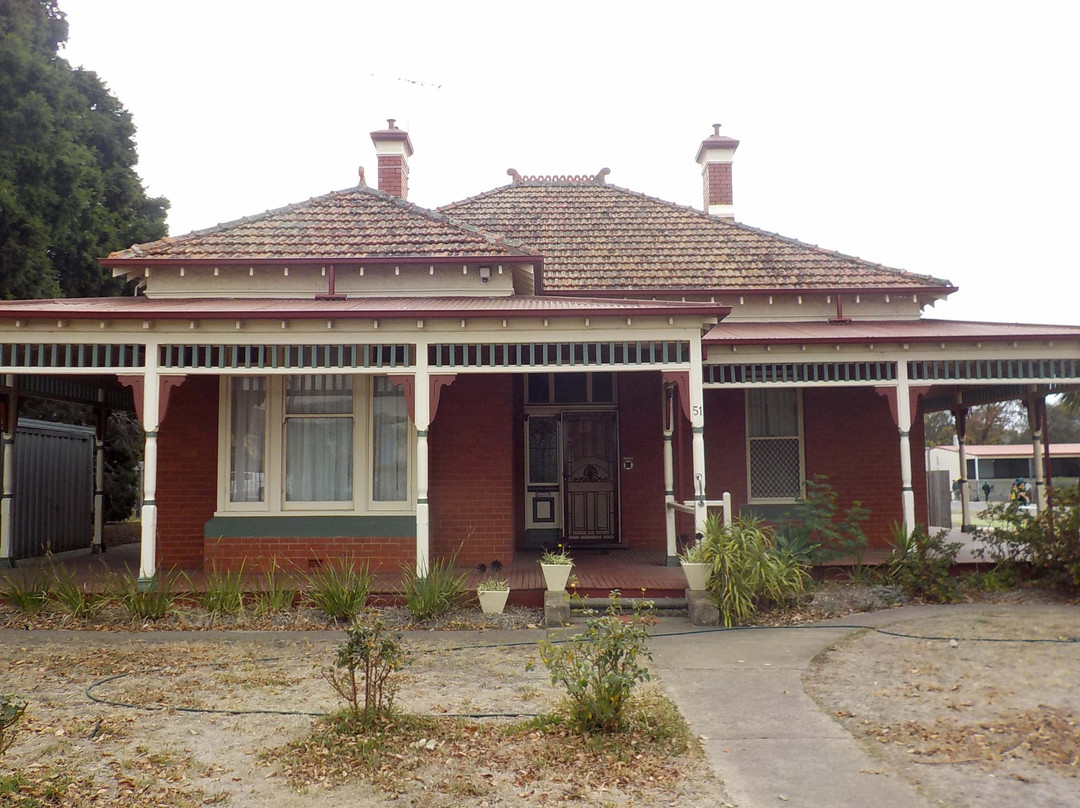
(394, 175)
(263, 554)
(187, 472)
(851, 439)
(472, 471)
(725, 447)
(641, 436)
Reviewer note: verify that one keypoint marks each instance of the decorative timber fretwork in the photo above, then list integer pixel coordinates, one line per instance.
(257, 357)
(557, 354)
(991, 369)
(989, 394)
(800, 372)
(79, 389)
(15, 356)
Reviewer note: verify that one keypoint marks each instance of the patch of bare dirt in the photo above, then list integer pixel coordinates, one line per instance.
(213, 718)
(979, 707)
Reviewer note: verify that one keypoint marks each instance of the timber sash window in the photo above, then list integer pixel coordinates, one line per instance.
(774, 451)
(247, 440)
(318, 438)
(315, 442)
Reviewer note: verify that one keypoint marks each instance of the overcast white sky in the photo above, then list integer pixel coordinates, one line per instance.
(937, 137)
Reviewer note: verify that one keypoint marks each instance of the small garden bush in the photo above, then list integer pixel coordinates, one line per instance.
(816, 533)
(601, 666)
(364, 670)
(749, 569)
(434, 593)
(920, 564)
(1047, 543)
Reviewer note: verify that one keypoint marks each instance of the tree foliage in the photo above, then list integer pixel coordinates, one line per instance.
(69, 193)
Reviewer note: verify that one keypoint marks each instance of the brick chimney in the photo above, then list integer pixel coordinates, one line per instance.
(715, 156)
(393, 148)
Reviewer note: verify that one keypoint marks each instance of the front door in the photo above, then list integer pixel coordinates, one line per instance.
(591, 473)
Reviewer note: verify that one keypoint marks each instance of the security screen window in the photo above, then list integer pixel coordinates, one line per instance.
(774, 435)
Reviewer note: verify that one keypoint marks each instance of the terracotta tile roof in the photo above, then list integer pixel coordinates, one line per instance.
(106, 308)
(596, 237)
(357, 223)
(864, 331)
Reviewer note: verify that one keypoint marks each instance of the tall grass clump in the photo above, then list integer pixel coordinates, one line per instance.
(339, 589)
(152, 603)
(748, 568)
(435, 591)
(224, 593)
(277, 592)
(71, 597)
(29, 590)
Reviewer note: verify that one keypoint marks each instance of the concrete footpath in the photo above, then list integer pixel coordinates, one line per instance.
(769, 741)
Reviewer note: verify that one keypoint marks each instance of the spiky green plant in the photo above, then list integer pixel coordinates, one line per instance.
(339, 589)
(27, 590)
(433, 592)
(277, 592)
(748, 568)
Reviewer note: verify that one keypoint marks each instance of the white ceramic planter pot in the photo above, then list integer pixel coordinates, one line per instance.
(556, 576)
(493, 601)
(697, 574)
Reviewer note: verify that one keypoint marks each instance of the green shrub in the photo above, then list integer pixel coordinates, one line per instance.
(816, 526)
(920, 564)
(748, 569)
(601, 666)
(363, 672)
(12, 709)
(434, 593)
(153, 602)
(224, 592)
(339, 589)
(1047, 542)
(28, 591)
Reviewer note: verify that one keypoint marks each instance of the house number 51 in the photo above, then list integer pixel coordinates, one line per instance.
(697, 411)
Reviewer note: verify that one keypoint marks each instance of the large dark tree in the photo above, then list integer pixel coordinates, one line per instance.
(69, 193)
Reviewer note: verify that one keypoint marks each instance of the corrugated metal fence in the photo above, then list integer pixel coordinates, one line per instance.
(53, 507)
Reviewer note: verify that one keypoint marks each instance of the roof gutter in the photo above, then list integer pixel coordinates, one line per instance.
(669, 291)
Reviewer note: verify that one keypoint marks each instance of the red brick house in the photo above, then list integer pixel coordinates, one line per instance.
(558, 359)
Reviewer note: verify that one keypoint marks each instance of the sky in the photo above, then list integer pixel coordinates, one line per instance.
(935, 137)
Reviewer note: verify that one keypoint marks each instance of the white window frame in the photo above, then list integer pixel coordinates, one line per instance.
(802, 452)
(363, 501)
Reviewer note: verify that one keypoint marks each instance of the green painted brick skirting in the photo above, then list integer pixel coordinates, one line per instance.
(310, 527)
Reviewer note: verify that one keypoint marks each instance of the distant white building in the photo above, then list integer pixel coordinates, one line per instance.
(1000, 465)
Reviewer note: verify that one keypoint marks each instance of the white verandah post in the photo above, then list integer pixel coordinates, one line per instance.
(903, 414)
(960, 415)
(697, 423)
(669, 474)
(96, 545)
(1036, 407)
(148, 512)
(422, 422)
